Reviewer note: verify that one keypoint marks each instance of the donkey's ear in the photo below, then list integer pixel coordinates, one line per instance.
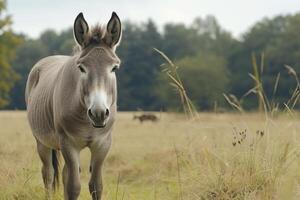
(113, 31)
(81, 29)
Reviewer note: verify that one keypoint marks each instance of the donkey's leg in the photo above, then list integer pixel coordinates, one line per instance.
(45, 154)
(71, 177)
(98, 154)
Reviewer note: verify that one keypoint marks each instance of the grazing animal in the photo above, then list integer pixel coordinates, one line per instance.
(146, 117)
(71, 104)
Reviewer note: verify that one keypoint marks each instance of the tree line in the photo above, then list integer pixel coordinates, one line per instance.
(210, 61)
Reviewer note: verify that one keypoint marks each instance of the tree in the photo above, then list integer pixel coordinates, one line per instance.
(210, 61)
(27, 55)
(8, 42)
(140, 67)
(205, 79)
(279, 40)
(180, 41)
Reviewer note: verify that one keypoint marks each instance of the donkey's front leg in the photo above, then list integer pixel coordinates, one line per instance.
(71, 176)
(47, 169)
(98, 154)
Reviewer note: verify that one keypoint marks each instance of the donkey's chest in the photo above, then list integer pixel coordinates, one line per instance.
(77, 128)
(86, 136)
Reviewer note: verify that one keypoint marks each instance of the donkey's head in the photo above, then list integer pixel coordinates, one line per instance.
(96, 64)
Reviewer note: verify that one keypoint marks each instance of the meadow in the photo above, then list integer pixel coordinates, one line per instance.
(217, 156)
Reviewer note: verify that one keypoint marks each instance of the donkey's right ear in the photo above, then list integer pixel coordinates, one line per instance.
(81, 29)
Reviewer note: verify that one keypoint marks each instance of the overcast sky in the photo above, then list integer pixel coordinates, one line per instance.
(33, 16)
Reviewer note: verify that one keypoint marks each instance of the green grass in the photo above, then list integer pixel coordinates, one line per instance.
(218, 156)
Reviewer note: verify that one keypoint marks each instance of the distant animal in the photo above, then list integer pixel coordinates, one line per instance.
(71, 104)
(146, 117)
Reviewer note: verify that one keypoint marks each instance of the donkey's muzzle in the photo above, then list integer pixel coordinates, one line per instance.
(98, 116)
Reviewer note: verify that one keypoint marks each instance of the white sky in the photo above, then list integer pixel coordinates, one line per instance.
(33, 16)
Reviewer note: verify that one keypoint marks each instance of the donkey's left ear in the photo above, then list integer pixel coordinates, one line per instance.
(113, 31)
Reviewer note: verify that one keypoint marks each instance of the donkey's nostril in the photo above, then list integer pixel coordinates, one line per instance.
(90, 113)
(98, 115)
(104, 114)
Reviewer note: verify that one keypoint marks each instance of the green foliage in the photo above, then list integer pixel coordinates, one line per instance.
(201, 78)
(8, 44)
(27, 54)
(140, 67)
(279, 40)
(211, 62)
(30, 52)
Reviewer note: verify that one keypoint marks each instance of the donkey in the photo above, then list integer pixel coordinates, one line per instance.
(146, 117)
(71, 104)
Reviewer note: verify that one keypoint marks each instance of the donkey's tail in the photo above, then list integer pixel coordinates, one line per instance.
(55, 164)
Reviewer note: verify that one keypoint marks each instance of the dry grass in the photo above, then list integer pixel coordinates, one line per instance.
(266, 104)
(170, 69)
(218, 156)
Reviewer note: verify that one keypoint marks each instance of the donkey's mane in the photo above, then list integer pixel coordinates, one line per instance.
(95, 36)
(97, 33)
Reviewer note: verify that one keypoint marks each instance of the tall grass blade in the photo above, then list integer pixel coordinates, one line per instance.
(175, 80)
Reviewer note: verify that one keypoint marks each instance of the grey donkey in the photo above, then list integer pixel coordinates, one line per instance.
(71, 104)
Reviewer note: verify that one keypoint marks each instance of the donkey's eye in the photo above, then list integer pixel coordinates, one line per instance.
(115, 68)
(81, 68)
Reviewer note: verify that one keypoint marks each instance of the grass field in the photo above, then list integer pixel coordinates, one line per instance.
(219, 156)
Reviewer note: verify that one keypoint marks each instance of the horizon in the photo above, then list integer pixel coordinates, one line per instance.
(26, 23)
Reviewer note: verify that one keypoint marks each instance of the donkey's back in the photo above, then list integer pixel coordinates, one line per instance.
(39, 97)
